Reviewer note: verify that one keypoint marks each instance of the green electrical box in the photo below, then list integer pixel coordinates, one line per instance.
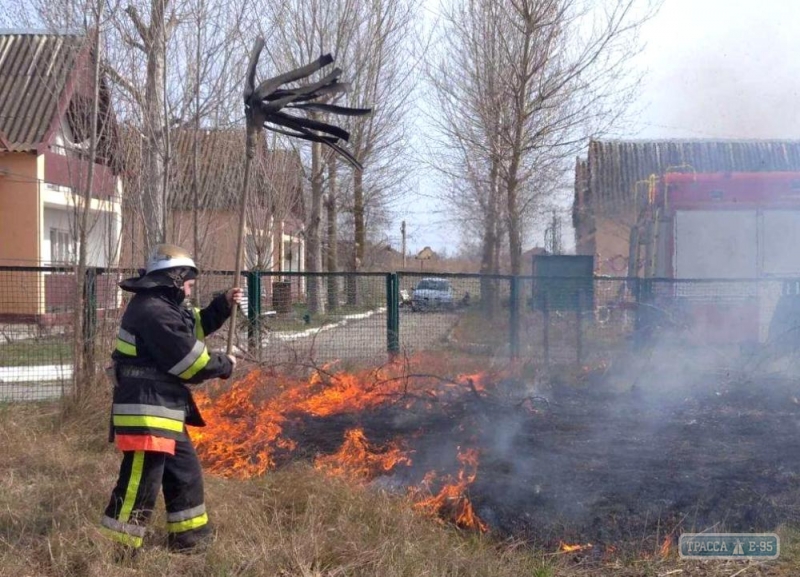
(563, 282)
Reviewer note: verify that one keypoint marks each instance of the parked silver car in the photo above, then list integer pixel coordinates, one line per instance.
(432, 293)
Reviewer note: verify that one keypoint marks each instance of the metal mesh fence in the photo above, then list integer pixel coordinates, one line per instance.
(311, 320)
(461, 313)
(36, 337)
(209, 285)
(569, 321)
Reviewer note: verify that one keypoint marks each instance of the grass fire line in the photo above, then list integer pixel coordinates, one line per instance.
(574, 464)
(258, 424)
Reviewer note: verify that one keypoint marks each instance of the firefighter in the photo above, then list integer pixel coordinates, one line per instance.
(159, 354)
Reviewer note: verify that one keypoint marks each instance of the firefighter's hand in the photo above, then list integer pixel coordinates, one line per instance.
(232, 359)
(234, 295)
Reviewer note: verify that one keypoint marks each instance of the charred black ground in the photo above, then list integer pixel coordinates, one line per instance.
(591, 464)
(615, 469)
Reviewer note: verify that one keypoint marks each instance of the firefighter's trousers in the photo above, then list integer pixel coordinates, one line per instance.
(142, 475)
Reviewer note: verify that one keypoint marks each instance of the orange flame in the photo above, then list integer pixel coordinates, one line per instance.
(666, 547)
(566, 548)
(359, 459)
(245, 431)
(452, 502)
(250, 423)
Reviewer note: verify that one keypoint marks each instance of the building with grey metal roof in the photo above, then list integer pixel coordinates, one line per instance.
(614, 172)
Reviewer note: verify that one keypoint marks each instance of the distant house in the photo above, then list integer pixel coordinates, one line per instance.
(46, 99)
(213, 192)
(615, 176)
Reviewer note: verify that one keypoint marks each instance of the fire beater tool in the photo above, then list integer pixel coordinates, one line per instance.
(270, 106)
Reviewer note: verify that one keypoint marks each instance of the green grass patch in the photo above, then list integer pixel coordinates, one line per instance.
(34, 352)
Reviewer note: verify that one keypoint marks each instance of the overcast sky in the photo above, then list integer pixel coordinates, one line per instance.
(715, 69)
(721, 69)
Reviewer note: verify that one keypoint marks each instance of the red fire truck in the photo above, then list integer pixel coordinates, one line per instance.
(711, 230)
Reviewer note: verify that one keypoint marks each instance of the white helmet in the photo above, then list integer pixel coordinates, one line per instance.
(165, 256)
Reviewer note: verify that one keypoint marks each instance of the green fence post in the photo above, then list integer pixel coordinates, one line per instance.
(89, 311)
(392, 314)
(514, 317)
(579, 328)
(546, 330)
(253, 310)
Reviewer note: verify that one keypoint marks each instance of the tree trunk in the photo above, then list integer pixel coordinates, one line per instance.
(498, 247)
(84, 352)
(153, 201)
(490, 243)
(333, 252)
(195, 169)
(359, 236)
(358, 218)
(514, 232)
(313, 244)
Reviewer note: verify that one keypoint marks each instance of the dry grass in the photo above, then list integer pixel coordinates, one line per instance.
(57, 473)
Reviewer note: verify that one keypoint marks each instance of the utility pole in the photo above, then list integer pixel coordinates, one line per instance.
(552, 235)
(403, 235)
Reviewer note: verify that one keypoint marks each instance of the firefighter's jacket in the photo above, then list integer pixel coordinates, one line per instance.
(159, 352)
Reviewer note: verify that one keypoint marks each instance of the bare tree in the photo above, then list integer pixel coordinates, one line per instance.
(150, 37)
(466, 82)
(209, 41)
(177, 65)
(83, 371)
(332, 243)
(277, 190)
(87, 130)
(522, 84)
(383, 76)
(302, 31)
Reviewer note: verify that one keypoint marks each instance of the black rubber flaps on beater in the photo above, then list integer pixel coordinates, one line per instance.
(265, 104)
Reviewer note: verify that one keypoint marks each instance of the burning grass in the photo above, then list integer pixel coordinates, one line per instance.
(265, 420)
(620, 469)
(293, 522)
(451, 502)
(360, 459)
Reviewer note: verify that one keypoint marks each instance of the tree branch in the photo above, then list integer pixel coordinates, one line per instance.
(143, 30)
(123, 82)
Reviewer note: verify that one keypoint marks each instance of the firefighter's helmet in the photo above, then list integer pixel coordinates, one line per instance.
(167, 256)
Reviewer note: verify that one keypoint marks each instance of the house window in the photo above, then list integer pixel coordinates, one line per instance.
(288, 255)
(62, 248)
(79, 120)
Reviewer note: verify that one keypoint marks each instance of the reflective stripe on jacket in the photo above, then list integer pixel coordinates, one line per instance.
(159, 351)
